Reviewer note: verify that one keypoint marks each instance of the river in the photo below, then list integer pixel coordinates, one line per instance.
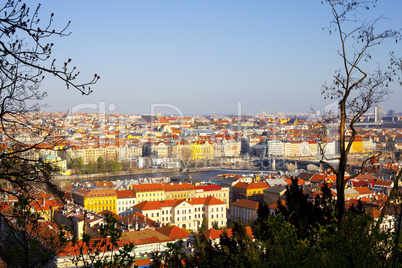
(196, 175)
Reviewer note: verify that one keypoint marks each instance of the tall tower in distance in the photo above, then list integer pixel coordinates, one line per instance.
(378, 114)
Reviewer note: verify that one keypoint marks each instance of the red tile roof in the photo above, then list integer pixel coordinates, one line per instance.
(147, 205)
(125, 194)
(210, 200)
(244, 203)
(208, 187)
(150, 187)
(173, 232)
(363, 190)
(178, 187)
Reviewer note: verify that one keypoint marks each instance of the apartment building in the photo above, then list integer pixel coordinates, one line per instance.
(185, 214)
(251, 191)
(217, 191)
(125, 201)
(96, 200)
(179, 191)
(244, 210)
(148, 192)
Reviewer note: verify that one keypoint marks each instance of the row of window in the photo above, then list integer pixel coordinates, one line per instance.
(125, 208)
(216, 216)
(100, 209)
(146, 195)
(128, 202)
(217, 209)
(101, 202)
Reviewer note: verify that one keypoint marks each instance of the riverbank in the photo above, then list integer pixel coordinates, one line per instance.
(116, 174)
(145, 172)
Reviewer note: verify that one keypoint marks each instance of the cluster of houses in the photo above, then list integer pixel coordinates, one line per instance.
(154, 212)
(167, 142)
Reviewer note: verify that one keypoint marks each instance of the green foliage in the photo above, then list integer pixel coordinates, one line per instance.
(278, 242)
(99, 167)
(239, 250)
(77, 164)
(102, 168)
(173, 257)
(305, 215)
(204, 225)
(215, 225)
(113, 166)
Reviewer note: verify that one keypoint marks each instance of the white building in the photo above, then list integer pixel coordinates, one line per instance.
(328, 148)
(126, 199)
(244, 210)
(185, 214)
(287, 149)
(275, 148)
(128, 153)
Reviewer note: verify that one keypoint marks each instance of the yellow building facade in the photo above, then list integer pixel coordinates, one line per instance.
(202, 150)
(149, 192)
(96, 200)
(179, 191)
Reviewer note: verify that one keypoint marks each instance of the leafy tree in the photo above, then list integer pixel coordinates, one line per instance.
(239, 250)
(215, 225)
(92, 168)
(77, 164)
(204, 225)
(113, 166)
(354, 88)
(173, 257)
(102, 168)
(298, 210)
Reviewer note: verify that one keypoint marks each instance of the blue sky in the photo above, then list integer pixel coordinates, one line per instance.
(201, 57)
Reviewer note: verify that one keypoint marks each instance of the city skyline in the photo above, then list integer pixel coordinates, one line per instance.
(202, 57)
